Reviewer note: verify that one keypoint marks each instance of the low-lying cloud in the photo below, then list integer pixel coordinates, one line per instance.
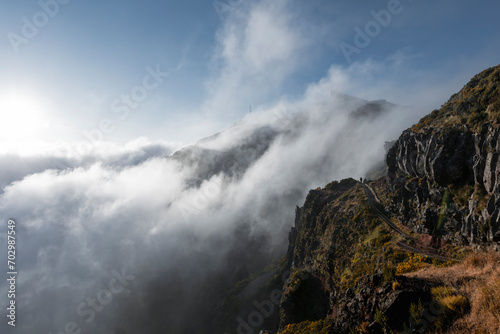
(15, 166)
(140, 212)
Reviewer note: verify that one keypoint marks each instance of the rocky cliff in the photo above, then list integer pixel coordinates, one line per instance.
(444, 171)
(387, 255)
(342, 260)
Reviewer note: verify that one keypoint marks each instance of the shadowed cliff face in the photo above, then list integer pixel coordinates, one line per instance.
(449, 161)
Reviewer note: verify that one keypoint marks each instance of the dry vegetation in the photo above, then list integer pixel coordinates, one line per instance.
(476, 104)
(308, 327)
(478, 279)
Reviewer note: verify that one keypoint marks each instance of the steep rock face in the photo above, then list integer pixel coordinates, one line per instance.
(320, 244)
(339, 257)
(444, 172)
(312, 249)
(371, 295)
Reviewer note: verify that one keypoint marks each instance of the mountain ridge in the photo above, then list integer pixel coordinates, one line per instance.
(347, 271)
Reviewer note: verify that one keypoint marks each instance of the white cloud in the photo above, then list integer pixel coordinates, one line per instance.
(63, 156)
(258, 48)
(130, 207)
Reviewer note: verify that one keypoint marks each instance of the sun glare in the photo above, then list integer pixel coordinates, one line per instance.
(23, 117)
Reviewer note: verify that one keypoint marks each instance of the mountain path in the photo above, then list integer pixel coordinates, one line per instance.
(375, 203)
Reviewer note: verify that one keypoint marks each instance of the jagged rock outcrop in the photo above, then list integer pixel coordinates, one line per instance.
(444, 171)
(338, 258)
(313, 251)
(371, 296)
(336, 246)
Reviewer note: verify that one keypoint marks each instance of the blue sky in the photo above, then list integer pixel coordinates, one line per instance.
(64, 80)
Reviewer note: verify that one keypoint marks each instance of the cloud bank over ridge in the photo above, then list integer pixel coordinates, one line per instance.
(141, 212)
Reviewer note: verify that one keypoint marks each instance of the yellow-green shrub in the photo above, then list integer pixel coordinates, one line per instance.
(414, 263)
(441, 292)
(458, 304)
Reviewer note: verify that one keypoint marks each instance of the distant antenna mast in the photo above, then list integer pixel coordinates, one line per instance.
(250, 108)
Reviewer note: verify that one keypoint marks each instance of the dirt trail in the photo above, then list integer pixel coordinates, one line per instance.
(375, 203)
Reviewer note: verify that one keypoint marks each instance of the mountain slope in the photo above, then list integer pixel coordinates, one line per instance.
(402, 264)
